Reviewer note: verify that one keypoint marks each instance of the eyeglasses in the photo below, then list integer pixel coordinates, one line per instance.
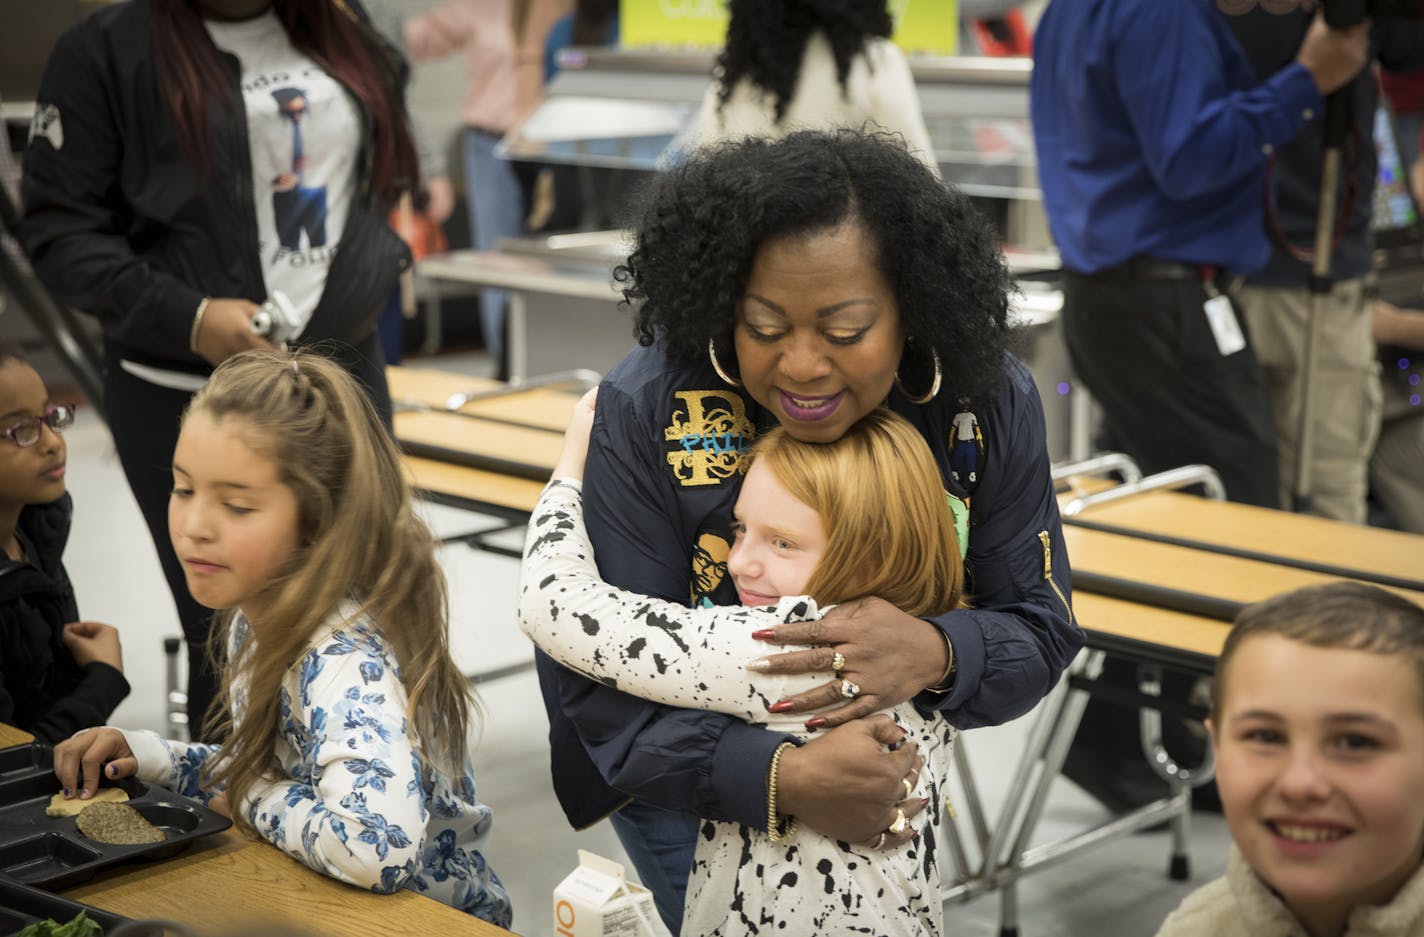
(26, 432)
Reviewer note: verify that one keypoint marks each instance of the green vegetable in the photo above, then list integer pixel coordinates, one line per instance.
(81, 926)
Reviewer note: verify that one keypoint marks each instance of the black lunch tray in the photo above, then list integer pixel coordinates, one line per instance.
(50, 852)
(22, 905)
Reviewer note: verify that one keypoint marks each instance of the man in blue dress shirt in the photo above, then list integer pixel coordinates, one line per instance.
(1152, 133)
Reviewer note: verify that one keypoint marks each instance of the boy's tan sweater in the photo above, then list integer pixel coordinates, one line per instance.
(1239, 904)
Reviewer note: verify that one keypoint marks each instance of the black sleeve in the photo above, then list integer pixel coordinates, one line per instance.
(100, 690)
(75, 216)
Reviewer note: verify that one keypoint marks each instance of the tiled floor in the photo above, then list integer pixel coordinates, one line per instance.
(1120, 890)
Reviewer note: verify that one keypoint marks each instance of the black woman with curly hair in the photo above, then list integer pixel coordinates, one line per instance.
(812, 64)
(805, 282)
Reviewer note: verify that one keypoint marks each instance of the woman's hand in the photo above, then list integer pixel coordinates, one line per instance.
(889, 658)
(219, 804)
(439, 199)
(226, 329)
(849, 783)
(79, 761)
(93, 641)
(571, 460)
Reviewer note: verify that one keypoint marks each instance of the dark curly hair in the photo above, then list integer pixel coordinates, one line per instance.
(766, 38)
(704, 222)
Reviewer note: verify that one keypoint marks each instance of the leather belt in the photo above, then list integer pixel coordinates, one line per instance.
(1147, 268)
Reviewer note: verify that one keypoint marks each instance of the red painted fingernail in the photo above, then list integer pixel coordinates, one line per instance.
(763, 634)
(817, 723)
(924, 802)
(785, 706)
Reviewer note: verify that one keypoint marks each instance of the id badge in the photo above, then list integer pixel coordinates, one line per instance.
(1224, 327)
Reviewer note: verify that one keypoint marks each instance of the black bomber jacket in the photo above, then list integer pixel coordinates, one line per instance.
(119, 224)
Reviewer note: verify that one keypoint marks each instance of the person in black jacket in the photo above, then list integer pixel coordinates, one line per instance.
(803, 282)
(57, 674)
(159, 196)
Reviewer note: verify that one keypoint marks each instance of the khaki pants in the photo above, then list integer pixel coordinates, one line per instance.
(1397, 468)
(1345, 402)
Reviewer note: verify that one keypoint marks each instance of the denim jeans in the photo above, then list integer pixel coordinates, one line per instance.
(496, 207)
(660, 843)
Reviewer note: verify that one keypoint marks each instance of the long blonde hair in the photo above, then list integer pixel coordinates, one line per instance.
(359, 540)
(889, 528)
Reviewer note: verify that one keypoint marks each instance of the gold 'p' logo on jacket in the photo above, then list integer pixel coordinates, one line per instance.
(710, 432)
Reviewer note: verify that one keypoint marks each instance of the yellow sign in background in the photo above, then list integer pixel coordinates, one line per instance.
(926, 27)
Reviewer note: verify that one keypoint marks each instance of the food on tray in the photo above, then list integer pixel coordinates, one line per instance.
(59, 807)
(81, 926)
(117, 823)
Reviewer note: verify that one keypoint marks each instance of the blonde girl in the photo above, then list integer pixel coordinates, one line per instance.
(345, 718)
(815, 524)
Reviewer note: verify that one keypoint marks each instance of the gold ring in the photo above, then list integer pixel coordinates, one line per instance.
(900, 824)
(909, 788)
(838, 662)
(849, 690)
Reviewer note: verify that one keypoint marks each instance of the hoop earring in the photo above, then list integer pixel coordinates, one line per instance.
(732, 381)
(934, 385)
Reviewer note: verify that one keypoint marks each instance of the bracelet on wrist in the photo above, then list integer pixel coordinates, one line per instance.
(197, 324)
(777, 829)
(946, 681)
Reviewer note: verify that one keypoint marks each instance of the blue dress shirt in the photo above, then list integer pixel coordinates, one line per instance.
(1152, 130)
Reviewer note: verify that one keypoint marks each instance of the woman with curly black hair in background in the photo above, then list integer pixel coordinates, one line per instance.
(810, 65)
(804, 282)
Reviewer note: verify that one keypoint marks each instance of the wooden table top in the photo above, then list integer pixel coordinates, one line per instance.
(521, 451)
(229, 884)
(1224, 524)
(1189, 570)
(545, 408)
(494, 452)
(1186, 641)
(473, 487)
(232, 884)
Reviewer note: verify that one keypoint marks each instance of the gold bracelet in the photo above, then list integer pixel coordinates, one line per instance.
(775, 830)
(197, 323)
(946, 681)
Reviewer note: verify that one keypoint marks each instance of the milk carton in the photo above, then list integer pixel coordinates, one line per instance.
(595, 900)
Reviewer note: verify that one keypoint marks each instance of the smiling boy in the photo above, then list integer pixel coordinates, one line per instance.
(1318, 727)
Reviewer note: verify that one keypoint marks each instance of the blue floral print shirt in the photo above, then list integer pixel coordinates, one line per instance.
(354, 800)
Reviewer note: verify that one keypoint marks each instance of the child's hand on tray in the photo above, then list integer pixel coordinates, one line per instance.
(80, 761)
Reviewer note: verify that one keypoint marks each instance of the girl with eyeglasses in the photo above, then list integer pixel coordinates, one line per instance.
(57, 674)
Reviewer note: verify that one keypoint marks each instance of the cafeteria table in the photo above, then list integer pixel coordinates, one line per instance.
(482, 445)
(1370, 554)
(230, 884)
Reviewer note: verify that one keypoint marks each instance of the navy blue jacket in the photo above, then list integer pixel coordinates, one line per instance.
(663, 471)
